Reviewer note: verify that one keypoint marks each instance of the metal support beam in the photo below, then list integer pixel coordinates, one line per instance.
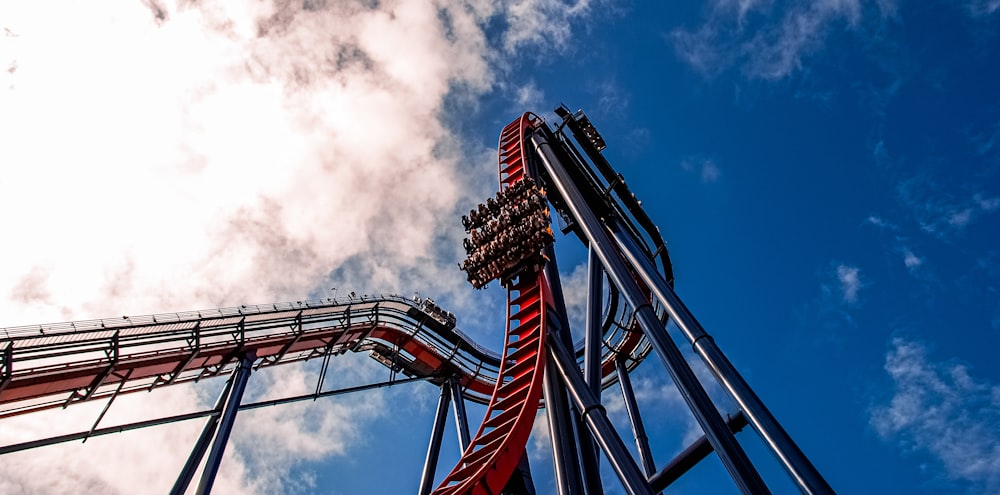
(322, 369)
(226, 423)
(730, 452)
(461, 419)
(580, 464)
(597, 420)
(691, 456)
(592, 341)
(560, 433)
(638, 430)
(110, 401)
(201, 446)
(6, 365)
(434, 448)
(795, 462)
(590, 469)
(208, 413)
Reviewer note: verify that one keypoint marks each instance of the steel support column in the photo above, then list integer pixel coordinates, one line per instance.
(461, 419)
(560, 434)
(597, 420)
(592, 370)
(226, 423)
(593, 339)
(201, 446)
(632, 408)
(691, 456)
(730, 452)
(795, 462)
(434, 447)
(578, 447)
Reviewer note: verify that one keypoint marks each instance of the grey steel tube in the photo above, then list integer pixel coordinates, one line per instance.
(461, 419)
(691, 456)
(592, 341)
(590, 469)
(795, 462)
(560, 435)
(583, 458)
(565, 425)
(597, 420)
(634, 417)
(730, 452)
(226, 424)
(434, 447)
(201, 446)
(208, 413)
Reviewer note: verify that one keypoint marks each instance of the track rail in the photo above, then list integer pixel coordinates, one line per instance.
(57, 365)
(494, 453)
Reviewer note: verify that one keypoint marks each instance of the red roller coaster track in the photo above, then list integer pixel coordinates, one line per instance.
(499, 444)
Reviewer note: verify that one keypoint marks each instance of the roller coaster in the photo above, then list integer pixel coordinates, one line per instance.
(543, 172)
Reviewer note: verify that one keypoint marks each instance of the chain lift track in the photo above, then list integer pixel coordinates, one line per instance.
(58, 365)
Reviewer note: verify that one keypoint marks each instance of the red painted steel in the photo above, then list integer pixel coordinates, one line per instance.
(494, 453)
(88, 360)
(496, 449)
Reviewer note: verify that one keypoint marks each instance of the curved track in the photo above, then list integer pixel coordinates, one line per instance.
(56, 365)
(499, 444)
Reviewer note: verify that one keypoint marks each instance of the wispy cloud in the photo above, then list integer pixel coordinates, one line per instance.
(912, 261)
(943, 212)
(529, 96)
(706, 168)
(983, 8)
(767, 42)
(772, 40)
(939, 409)
(779, 51)
(850, 282)
(841, 288)
(541, 23)
(880, 222)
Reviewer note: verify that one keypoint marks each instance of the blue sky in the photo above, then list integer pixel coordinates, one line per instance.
(825, 174)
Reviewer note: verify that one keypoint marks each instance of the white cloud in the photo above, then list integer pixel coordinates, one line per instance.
(983, 8)
(880, 222)
(939, 211)
(529, 96)
(939, 409)
(986, 204)
(850, 282)
(706, 168)
(540, 447)
(771, 50)
(165, 156)
(960, 218)
(709, 171)
(912, 261)
(772, 40)
(778, 52)
(541, 23)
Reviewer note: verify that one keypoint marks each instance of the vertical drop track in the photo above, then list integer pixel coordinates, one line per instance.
(494, 453)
